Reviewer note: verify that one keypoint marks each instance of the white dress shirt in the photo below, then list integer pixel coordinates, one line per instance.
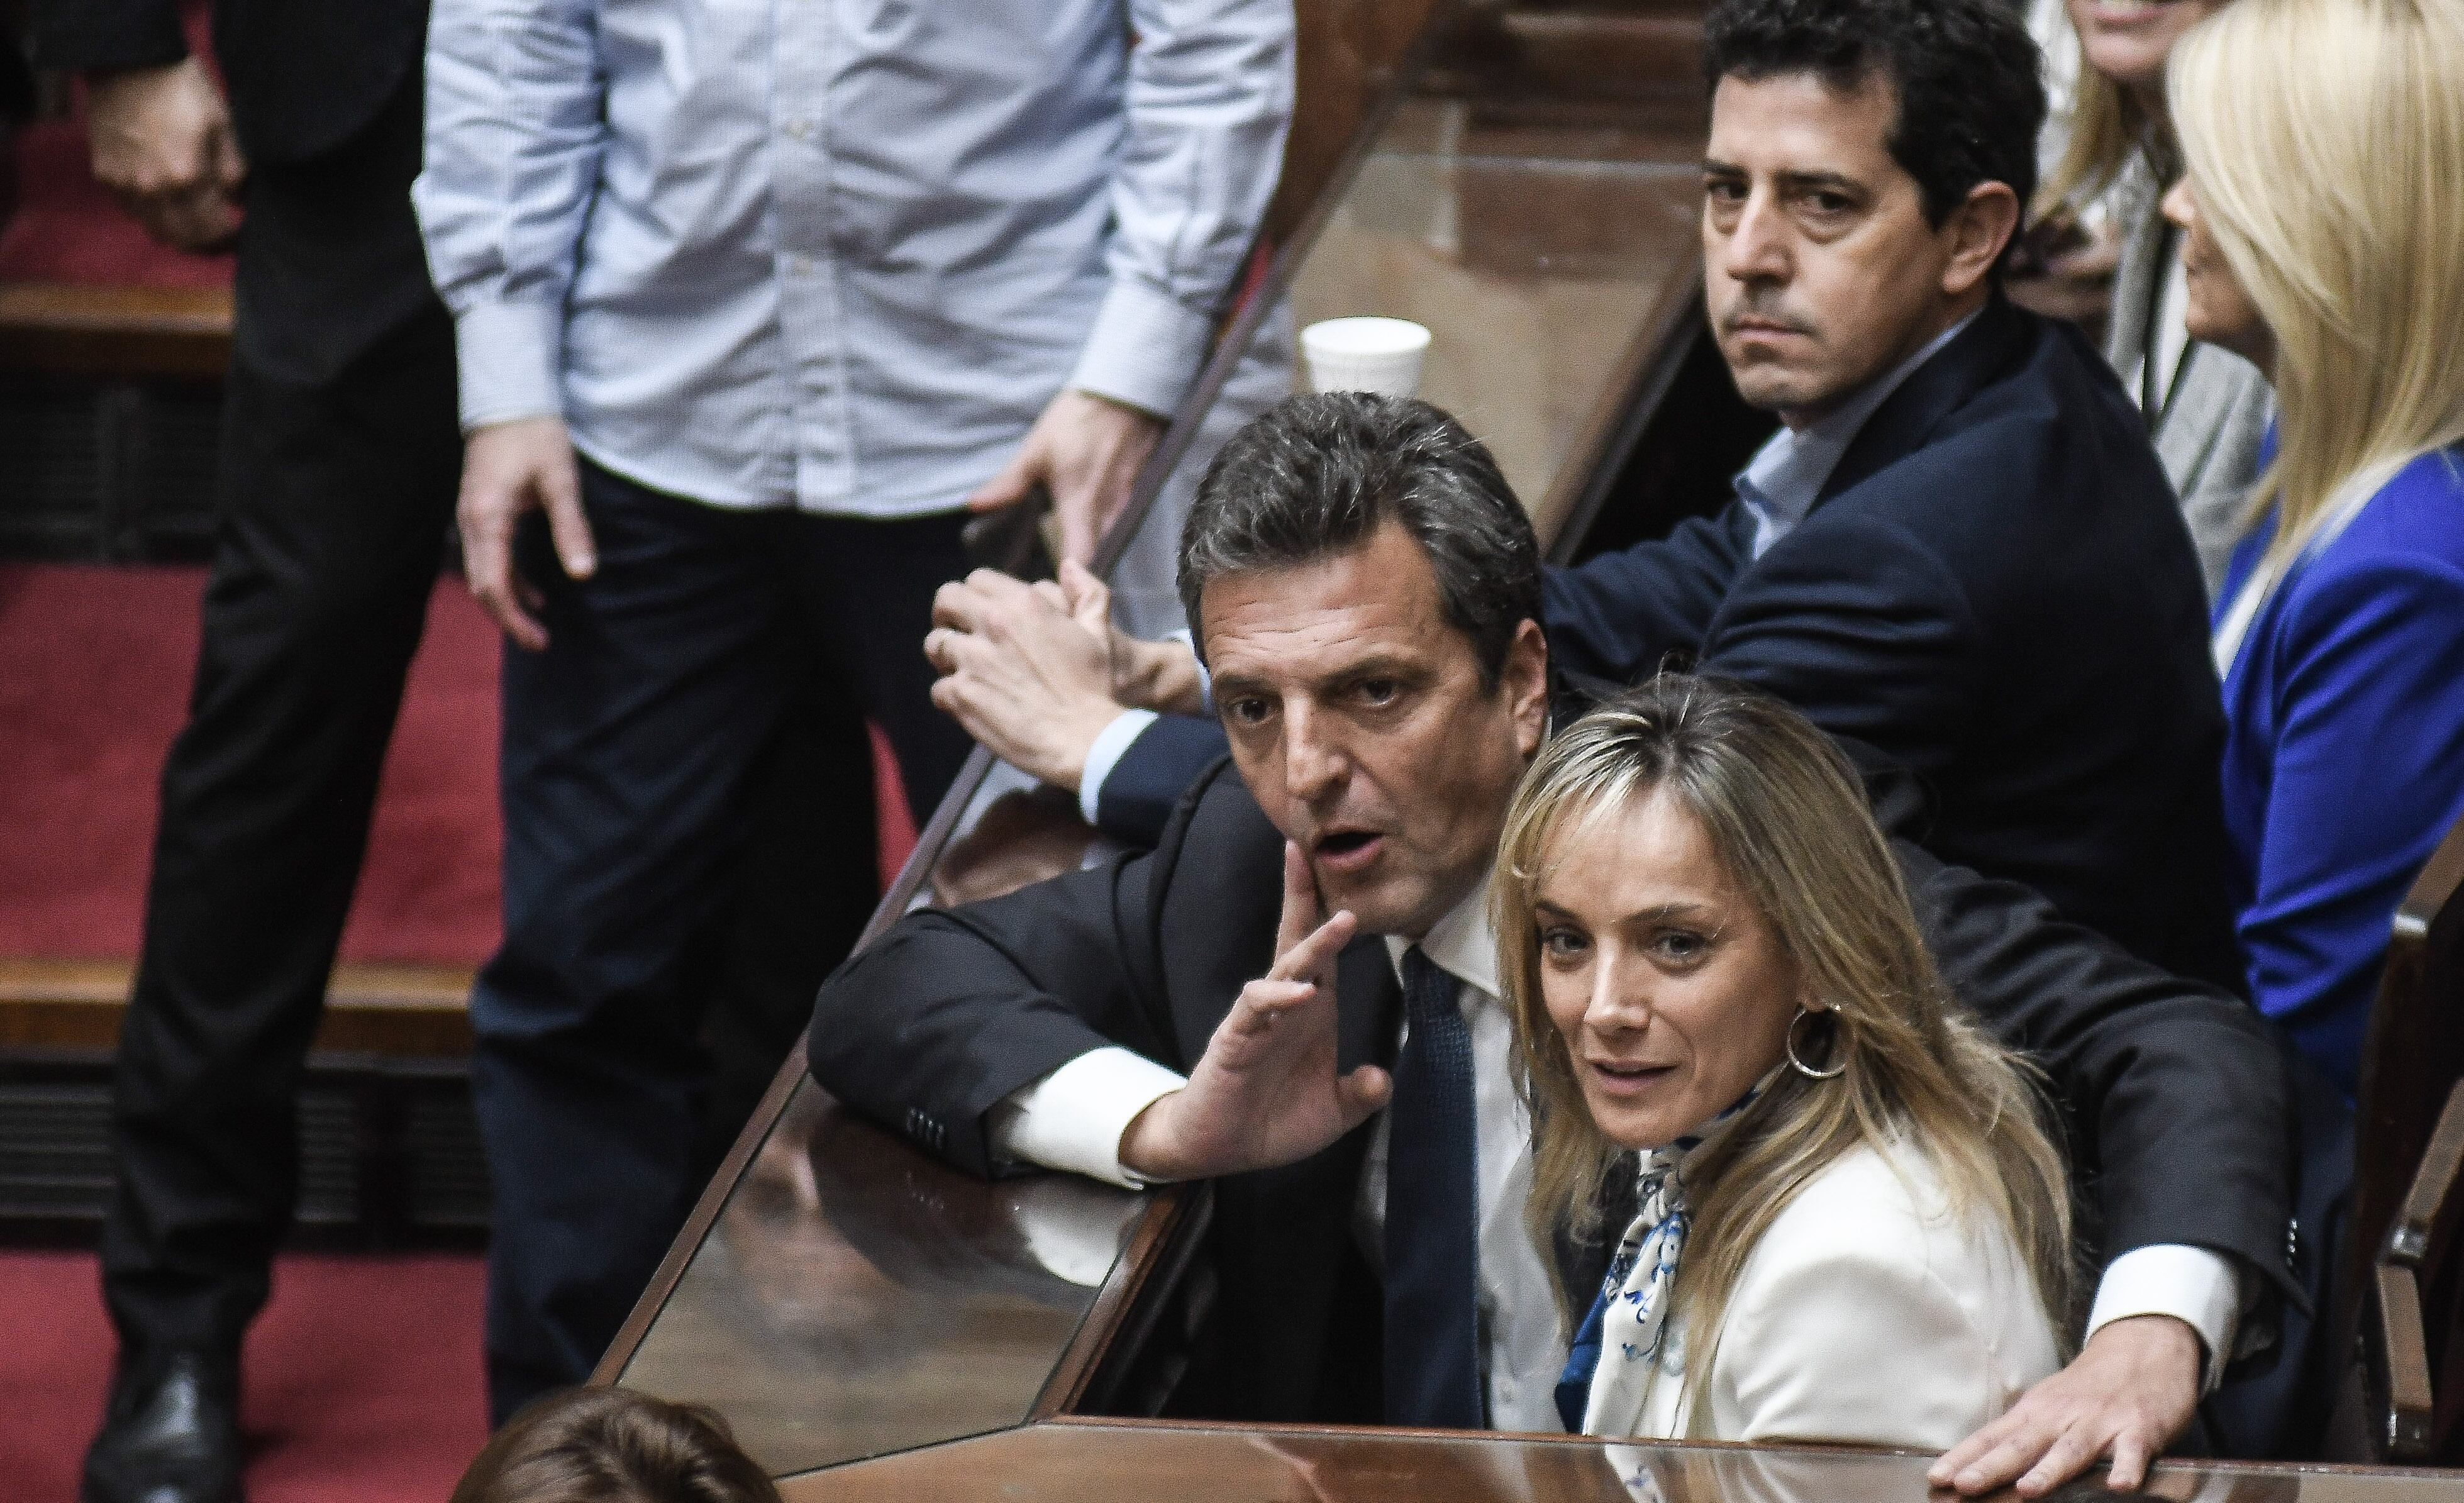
(839, 253)
(1074, 1120)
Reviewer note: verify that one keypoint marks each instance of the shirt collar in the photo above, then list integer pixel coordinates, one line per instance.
(1462, 944)
(1787, 474)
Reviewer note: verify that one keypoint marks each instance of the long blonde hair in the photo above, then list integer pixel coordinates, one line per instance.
(1788, 820)
(2325, 142)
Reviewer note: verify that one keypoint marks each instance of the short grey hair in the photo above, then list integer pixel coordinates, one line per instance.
(1315, 475)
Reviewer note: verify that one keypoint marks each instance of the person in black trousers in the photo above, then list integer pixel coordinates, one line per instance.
(340, 458)
(335, 487)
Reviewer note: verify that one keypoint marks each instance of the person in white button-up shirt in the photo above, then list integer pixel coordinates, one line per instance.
(754, 302)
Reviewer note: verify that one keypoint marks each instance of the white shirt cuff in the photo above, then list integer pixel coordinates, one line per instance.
(1144, 349)
(1073, 1117)
(1104, 754)
(2197, 1287)
(1206, 680)
(510, 355)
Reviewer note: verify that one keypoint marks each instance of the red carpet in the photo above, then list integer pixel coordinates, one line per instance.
(94, 676)
(362, 1378)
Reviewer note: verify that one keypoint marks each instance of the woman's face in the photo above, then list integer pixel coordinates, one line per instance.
(2219, 308)
(2128, 40)
(1668, 985)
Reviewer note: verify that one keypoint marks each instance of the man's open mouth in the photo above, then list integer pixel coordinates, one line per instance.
(1342, 848)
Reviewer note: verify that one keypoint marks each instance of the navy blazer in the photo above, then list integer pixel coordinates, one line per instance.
(1994, 591)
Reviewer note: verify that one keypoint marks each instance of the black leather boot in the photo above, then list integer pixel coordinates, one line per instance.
(170, 1431)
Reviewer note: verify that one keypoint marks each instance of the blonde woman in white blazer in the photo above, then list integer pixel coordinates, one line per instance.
(1847, 1219)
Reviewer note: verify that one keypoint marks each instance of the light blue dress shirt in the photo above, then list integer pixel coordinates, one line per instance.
(839, 253)
(1787, 475)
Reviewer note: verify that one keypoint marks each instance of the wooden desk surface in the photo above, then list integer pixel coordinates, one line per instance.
(1546, 258)
(855, 1297)
(1100, 1461)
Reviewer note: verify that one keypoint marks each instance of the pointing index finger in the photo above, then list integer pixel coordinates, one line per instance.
(1302, 913)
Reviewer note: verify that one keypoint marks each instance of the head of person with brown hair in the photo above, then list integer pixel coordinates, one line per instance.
(615, 1445)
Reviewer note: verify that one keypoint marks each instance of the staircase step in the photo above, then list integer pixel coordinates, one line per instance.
(396, 1011)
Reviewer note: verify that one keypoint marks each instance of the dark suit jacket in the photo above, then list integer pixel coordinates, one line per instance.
(326, 97)
(2173, 1093)
(1994, 591)
(303, 75)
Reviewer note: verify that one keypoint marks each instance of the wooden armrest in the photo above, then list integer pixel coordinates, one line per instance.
(2405, 1407)
(2408, 1240)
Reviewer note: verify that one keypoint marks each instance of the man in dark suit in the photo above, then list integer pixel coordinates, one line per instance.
(1960, 549)
(340, 454)
(1365, 592)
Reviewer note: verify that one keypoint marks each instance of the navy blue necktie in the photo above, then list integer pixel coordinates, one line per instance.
(1432, 1226)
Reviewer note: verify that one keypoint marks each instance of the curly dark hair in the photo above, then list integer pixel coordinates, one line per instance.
(1971, 95)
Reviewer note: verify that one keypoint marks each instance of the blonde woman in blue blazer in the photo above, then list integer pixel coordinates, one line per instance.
(2322, 238)
(1852, 1224)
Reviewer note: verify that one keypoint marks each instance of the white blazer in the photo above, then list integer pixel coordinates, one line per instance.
(1868, 1312)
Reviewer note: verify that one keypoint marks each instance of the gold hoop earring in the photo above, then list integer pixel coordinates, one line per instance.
(1800, 1064)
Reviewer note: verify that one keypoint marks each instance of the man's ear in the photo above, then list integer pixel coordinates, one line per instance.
(1524, 677)
(1979, 228)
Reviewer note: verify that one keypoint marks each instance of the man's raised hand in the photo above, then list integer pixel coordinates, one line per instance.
(2123, 1399)
(1267, 1093)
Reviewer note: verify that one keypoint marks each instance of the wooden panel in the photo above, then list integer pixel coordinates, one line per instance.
(1089, 1462)
(1546, 261)
(1349, 53)
(2411, 1057)
(855, 1296)
(390, 1010)
(114, 331)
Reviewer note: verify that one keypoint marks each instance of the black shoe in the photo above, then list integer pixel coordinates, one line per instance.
(170, 1432)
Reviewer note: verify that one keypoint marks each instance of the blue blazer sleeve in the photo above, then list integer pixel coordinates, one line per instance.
(1153, 771)
(2367, 775)
(1618, 616)
(1858, 623)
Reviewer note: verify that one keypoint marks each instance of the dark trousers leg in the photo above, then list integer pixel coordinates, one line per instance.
(632, 744)
(806, 883)
(633, 757)
(866, 591)
(335, 498)
(809, 882)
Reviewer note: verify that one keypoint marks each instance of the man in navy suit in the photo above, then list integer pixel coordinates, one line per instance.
(1960, 553)
(1960, 548)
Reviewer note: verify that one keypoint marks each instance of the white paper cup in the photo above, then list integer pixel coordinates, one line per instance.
(1380, 355)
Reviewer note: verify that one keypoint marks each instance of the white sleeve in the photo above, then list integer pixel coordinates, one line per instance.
(1209, 100)
(2201, 1288)
(1073, 1117)
(516, 123)
(1105, 753)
